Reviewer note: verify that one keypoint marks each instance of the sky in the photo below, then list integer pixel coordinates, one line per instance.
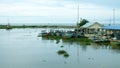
(58, 11)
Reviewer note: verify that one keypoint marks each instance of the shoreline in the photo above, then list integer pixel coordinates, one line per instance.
(43, 26)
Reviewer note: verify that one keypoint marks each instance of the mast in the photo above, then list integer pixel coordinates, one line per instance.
(78, 14)
(8, 25)
(114, 16)
(110, 21)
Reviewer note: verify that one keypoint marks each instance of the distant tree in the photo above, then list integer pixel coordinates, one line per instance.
(82, 22)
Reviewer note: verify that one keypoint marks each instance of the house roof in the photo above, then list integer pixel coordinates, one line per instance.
(97, 24)
(112, 27)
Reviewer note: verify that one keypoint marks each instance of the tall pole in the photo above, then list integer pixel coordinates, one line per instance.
(8, 25)
(110, 23)
(78, 14)
(114, 16)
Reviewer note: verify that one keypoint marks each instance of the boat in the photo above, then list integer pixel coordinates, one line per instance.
(43, 33)
(8, 27)
(100, 39)
(68, 34)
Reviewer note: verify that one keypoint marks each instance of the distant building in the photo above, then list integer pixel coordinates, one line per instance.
(90, 29)
(95, 27)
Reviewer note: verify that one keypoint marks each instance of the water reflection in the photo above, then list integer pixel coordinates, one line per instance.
(115, 47)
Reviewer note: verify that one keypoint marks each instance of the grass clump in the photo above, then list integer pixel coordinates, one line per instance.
(64, 53)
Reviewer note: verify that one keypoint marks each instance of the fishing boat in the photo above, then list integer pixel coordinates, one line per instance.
(68, 34)
(100, 39)
(43, 33)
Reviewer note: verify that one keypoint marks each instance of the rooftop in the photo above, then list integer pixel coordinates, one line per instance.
(112, 27)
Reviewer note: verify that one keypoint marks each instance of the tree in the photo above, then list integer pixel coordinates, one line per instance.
(82, 22)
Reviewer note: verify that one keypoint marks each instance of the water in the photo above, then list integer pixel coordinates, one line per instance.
(21, 48)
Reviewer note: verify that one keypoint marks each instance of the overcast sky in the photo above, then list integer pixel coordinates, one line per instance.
(58, 11)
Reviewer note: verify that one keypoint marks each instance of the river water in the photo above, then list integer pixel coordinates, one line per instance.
(21, 48)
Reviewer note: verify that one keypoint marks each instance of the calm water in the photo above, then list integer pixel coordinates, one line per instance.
(21, 48)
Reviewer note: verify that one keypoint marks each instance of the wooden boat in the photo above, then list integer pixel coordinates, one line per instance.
(43, 33)
(68, 34)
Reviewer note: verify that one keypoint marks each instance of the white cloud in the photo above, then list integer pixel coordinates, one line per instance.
(28, 9)
(54, 8)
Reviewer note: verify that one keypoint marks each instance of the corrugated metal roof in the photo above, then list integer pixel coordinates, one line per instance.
(91, 24)
(112, 27)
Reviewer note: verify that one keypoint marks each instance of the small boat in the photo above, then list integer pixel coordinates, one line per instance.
(8, 27)
(68, 34)
(43, 33)
(102, 39)
(51, 33)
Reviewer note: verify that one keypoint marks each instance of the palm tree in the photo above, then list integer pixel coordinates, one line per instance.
(82, 22)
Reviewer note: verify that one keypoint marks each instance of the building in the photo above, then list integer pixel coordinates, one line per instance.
(91, 29)
(95, 27)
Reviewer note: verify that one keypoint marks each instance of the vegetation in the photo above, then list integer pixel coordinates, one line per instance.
(114, 46)
(82, 22)
(64, 53)
(85, 40)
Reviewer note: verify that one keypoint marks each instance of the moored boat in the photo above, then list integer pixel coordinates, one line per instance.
(44, 33)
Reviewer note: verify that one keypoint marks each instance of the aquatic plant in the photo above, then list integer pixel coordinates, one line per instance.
(57, 41)
(82, 22)
(61, 52)
(61, 46)
(64, 53)
(115, 46)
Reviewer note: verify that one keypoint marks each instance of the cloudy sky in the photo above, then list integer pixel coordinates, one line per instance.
(58, 11)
